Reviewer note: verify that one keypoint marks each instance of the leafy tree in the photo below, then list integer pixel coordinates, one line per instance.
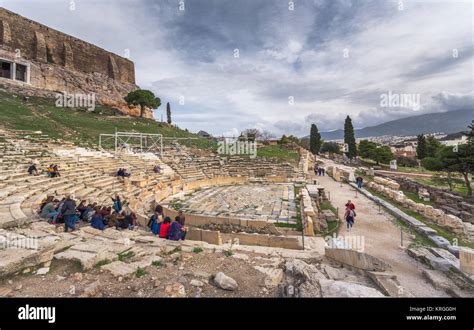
(450, 159)
(331, 147)
(421, 147)
(284, 140)
(378, 153)
(367, 149)
(432, 146)
(406, 161)
(349, 138)
(382, 154)
(143, 98)
(314, 140)
(168, 113)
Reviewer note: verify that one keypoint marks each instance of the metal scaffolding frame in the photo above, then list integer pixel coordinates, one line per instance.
(147, 142)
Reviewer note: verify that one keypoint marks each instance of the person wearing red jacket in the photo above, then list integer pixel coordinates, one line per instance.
(165, 227)
(350, 205)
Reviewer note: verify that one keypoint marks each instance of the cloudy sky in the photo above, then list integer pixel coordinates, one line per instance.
(227, 65)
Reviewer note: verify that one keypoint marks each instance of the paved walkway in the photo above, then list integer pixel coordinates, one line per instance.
(381, 236)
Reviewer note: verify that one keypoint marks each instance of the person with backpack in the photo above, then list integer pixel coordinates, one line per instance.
(156, 220)
(359, 181)
(349, 216)
(68, 211)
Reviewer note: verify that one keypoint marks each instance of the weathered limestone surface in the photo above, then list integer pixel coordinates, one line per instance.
(331, 288)
(356, 259)
(466, 258)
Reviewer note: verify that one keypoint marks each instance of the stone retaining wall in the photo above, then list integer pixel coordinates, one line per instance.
(286, 242)
(448, 201)
(437, 216)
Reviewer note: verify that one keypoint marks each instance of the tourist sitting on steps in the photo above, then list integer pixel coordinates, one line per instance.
(56, 170)
(117, 204)
(156, 220)
(97, 220)
(177, 231)
(105, 211)
(32, 170)
(45, 201)
(81, 208)
(133, 221)
(157, 169)
(49, 211)
(122, 172)
(111, 219)
(165, 227)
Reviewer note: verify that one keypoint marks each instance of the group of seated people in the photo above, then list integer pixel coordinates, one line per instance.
(122, 172)
(53, 171)
(99, 216)
(164, 227)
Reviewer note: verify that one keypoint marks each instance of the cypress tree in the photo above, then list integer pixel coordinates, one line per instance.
(349, 138)
(168, 113)
(421, 147)
(314, 140)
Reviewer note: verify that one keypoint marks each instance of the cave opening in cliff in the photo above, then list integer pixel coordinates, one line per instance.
(5, 69)
(20, 73)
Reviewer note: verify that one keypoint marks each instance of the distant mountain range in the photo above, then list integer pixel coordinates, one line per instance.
(446, 122)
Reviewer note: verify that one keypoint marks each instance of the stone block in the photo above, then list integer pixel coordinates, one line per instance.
(466, 259)
(357, 259)
(211, 237)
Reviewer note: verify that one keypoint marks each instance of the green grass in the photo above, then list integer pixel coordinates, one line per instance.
(176, 249)
(332, 225)
(126, 255)
(102, 263)
(326, 205)
(176, 204)
(197, 250)
(414, 197)
(458, 184)
(157, 263)
(140, 272)
(81, 126)
(285, 225)
(228, 253)
(441, 231)
(282, 154)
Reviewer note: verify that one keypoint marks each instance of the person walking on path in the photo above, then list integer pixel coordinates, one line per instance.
(350, 205)
(359, 181)
(349, 216)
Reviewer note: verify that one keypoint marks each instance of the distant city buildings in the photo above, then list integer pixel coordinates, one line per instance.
(405, 146)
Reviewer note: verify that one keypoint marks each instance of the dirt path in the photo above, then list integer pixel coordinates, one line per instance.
(381, 236)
